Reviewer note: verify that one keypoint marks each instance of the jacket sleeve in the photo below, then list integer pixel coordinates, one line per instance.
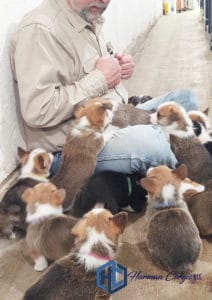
(40, 70)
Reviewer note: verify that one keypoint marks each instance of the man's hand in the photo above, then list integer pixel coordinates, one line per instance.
(111, 69)
(127, 65)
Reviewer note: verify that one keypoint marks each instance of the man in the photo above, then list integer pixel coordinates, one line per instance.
(59, 58)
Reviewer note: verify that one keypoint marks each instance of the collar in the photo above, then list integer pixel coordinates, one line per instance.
(164, 205)
(95, 255)
(76, 21)
(129, 186)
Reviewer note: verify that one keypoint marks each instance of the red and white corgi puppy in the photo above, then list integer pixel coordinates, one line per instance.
(187, 148)
(49, 231)
(74, 276)
(172, 237)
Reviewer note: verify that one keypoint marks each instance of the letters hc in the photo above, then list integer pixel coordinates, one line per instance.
(106, 277)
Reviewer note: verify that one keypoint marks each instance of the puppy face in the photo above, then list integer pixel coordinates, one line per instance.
(163, 182)
(97, 113)
(101, 222)
(43, 199)
(37, 161)
(201, 125)
(170, 114)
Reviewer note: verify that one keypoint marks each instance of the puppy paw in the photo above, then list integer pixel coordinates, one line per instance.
(40, 263)
(12, 236)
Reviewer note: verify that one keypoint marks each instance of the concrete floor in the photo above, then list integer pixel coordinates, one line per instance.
(174, 55)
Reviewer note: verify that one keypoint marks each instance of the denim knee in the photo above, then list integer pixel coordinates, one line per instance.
(55, 164)
(185, 97)
(135, 149)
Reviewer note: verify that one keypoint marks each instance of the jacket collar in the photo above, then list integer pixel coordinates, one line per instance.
(76, 21)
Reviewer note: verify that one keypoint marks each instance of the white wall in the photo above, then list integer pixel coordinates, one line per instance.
(125, 20)
(11, 12)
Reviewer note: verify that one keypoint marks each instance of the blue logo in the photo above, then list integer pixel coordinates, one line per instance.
(106, 277)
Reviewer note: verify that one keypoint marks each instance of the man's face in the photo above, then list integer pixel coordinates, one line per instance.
(89, 10)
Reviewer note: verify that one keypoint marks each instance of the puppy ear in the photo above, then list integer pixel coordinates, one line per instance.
(119, 222)
(23, 155)
(181, 171)
(174, 114)
(28, 195)
(41, 162)
(206, 111)
(106, 105)
(58, 197)
(149, 184)
(78, 111)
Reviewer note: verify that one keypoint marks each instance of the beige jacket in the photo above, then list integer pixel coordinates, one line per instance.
(53, 55)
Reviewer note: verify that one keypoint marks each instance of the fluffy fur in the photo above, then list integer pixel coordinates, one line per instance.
(84, 141)
(49, 231)
(172, 237)
(74, 276)
(124, 115)
(184, 143)
(135, 100)
(111, 190)
(202, 128)
(199, 204)
(35, 166)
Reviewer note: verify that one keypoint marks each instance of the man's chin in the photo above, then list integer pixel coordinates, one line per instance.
(91, 18)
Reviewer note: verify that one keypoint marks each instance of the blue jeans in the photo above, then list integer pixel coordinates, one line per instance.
(136, 148)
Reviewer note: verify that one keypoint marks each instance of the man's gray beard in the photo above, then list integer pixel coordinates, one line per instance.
(88, 17)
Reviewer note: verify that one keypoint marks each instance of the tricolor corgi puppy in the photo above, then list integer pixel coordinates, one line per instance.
(35, 166)
(74, 276)
(186, 146)
(111, 190)
(84, 141)
(49, 231)
(172, 237)
(199, 204)
(202, 127)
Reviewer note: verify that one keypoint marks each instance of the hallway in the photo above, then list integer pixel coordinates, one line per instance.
(175, 55)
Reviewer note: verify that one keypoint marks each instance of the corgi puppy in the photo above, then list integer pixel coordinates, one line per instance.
(202, 127)
(35, 166)
(123, 115)
(186, 146)
(199, 203)
(49, 231)
(121, 192)
(172, 237)
(74, 276)
(84, 141)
